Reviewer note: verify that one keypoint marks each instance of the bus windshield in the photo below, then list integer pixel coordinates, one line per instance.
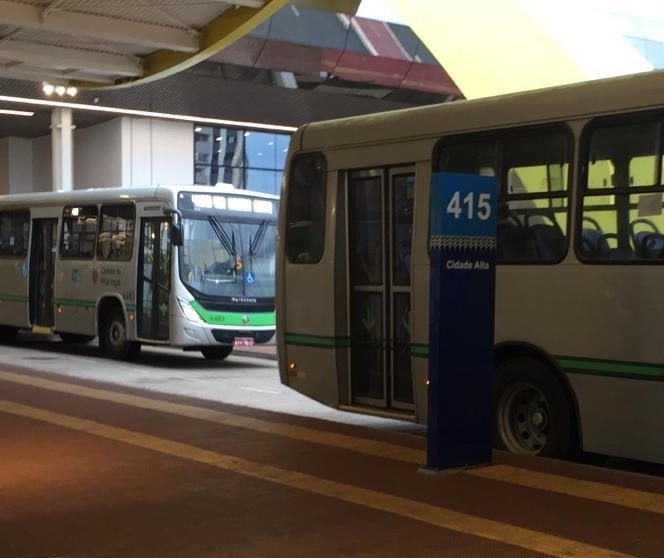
(228, 257)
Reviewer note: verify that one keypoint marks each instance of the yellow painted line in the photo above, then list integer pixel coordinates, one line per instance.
(608, 493)
(600, 492)
(403, 507)
(311, 435)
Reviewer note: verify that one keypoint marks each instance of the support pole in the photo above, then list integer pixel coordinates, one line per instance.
(62, 149)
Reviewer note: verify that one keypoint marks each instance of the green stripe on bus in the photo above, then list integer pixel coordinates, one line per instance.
(76, 302)
(322, 341)
(13, 298)
(329, 342)
(419, 350)
(236, 319)
(612, 368)
(131, 307)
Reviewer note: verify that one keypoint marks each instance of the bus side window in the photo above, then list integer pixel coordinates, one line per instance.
(116, 232)
(623, 193)
(14, 233)
(79, 232)
(532, 166)
(305, 209)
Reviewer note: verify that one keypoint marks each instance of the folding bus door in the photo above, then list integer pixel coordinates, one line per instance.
(380, 204)
(154, 278)
(42, 272)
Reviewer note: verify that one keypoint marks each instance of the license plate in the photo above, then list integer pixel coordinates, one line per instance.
(244, 342)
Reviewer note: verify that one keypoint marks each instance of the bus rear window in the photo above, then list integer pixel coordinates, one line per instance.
(14, 233)
(305, 209)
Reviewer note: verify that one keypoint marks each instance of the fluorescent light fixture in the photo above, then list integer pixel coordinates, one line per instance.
(17, 112)
(164, 115)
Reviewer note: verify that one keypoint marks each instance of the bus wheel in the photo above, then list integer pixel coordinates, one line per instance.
(219, 352)
(113, 340)
(532, 412)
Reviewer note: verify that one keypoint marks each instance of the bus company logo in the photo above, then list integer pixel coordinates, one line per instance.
(245, 319)
(95, 276)
(244, 299)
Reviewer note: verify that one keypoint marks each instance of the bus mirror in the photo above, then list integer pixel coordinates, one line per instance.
(177, 234)
(176, 225)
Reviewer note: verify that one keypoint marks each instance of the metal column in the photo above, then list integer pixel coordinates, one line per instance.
(62, 149)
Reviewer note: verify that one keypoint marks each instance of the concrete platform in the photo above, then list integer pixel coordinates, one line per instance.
(91, 470)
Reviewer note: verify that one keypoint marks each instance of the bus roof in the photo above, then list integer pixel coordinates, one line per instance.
(580, 100)
(99, 195)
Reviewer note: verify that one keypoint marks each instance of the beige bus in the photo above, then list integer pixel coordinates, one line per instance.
(579, 327)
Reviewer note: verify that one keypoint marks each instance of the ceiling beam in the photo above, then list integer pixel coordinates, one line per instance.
(98, 27)
(20, 71)
(348, 7)
(61, 58)
(245, 3)
(218, 34)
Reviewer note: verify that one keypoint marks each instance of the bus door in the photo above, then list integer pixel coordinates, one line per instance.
(154, 278)
(42, 272)
(380, 217)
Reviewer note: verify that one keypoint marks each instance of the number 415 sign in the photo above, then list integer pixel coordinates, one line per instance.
(463, 205)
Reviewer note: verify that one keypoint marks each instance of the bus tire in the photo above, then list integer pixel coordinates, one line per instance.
(218, 352)
(533, 414)
(113, 339)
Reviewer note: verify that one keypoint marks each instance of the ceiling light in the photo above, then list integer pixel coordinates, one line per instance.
(60, 90)
(17, 112)
(132, 112)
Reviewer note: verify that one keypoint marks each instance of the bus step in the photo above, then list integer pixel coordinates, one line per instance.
(42, 330)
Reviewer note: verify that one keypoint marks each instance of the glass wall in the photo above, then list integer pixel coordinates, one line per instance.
(249, 159)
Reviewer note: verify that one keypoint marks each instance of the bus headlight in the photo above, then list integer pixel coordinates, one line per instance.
(188, 311)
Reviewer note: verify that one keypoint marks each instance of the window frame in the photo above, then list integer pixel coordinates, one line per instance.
(584, 192)
(500, 139)
(14, 213)
(77, 255)
(130, 233)
(291, 225)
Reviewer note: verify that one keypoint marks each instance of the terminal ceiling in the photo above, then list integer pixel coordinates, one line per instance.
(129, 54)
(103, 43)
(210, 58)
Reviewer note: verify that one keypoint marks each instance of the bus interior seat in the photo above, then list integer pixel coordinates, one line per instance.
(648, 242)
(594, 242)
(546, 240)
(652, 245)
(511, 238)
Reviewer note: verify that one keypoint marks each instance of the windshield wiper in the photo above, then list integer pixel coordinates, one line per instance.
(258, 239)
(222, 235)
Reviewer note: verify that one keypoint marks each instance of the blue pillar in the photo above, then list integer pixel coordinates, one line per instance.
(462, 246)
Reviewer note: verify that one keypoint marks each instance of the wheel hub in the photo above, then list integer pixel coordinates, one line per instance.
(523, 419)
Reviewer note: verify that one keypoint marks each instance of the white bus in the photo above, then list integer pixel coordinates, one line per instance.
(182, 266)
(579, 324)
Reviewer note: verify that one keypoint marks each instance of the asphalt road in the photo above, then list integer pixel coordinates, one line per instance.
(238, 380)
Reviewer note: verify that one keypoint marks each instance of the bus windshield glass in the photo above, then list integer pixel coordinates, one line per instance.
(229, 253)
